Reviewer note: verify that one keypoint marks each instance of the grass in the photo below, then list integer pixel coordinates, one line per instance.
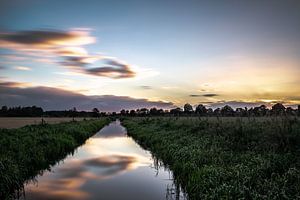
(226, 158)
(27, 151)
(18, 122)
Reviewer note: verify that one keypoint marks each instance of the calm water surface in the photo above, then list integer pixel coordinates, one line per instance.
(108, 166)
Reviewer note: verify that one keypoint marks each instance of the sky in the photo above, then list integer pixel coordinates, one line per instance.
(128, 54)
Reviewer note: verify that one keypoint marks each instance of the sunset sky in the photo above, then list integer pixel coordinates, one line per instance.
(113, 54)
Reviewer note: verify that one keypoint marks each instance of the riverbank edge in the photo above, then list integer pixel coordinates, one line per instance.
(278, 169)
(28, 151)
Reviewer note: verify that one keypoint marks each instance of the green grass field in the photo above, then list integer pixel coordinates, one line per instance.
(226, 158)
(27, 151)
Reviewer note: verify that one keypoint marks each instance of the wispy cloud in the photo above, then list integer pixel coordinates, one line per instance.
(67, 48)
(249, 104)
(51, 98)
(204, 95)
(22, 68)
(145, 87)
(39, 39)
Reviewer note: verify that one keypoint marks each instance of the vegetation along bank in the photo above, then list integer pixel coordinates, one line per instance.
(26, 152)
(226, 158)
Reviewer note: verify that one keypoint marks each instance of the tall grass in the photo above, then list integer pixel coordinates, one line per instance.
(26, 151)
(226, 158)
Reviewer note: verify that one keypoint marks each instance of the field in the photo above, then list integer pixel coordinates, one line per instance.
(226, 158)
(27, 151)
(17, 122)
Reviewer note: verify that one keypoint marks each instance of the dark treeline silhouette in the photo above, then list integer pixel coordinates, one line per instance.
(35, 111)
(32, 111)
(277, 110)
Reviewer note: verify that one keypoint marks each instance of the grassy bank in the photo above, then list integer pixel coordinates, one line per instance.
(226, 158)
(26, 151)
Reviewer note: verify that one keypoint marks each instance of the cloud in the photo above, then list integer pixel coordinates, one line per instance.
(242, 104)
(112, 67)
(13, 84)
(74, 175)
(37, 39)
(204, 95)
(146, 87)
(22, 68)
(49, 98)
(66, 48)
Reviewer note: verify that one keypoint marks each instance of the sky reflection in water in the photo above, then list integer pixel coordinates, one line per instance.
(109, 166)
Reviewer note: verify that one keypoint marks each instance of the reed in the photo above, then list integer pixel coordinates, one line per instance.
(26, 152)
(226, 158)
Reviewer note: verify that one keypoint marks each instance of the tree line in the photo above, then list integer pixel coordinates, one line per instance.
(34, 111)
(277, 109)
(200, 110)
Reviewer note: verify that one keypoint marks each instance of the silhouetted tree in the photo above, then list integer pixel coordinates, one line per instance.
(227, 111)
(32, 111)
(153, 111)
(201, 110)
(260, 111)
(278, 109)
(290, 111)
(188, 108)
(176, 111)
(298, 110)
(240, 112)
(160, 112)
(132, 113)
(96, 112)
(73, 112)
(4, 109)
(123, 112)
(217, 112)
(210, 112)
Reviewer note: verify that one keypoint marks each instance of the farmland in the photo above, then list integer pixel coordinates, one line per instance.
(17, 122)
(231, 158)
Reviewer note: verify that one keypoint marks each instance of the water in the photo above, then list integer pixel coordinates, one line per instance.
(108, 166)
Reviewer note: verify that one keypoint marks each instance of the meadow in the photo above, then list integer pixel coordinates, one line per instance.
(28, 151)
(18, 122)
(226, 157)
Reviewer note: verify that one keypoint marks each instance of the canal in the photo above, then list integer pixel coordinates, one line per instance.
(109, 166)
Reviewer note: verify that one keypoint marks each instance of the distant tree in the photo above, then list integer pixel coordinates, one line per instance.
(260, 111)
(123, 112)
(96, 112)
(160, 112)
(176, 111)
(278, 109)
(298, 110)
(210, 112)
(32, 111)
(103, 114)
(143, 111)
(73, 112)
(153, 111)
(201, 110)
(4, 109)
(132, 113)
(290, 111)
(227, 111)
(240, 112)
(217, 112)
(187, 108)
